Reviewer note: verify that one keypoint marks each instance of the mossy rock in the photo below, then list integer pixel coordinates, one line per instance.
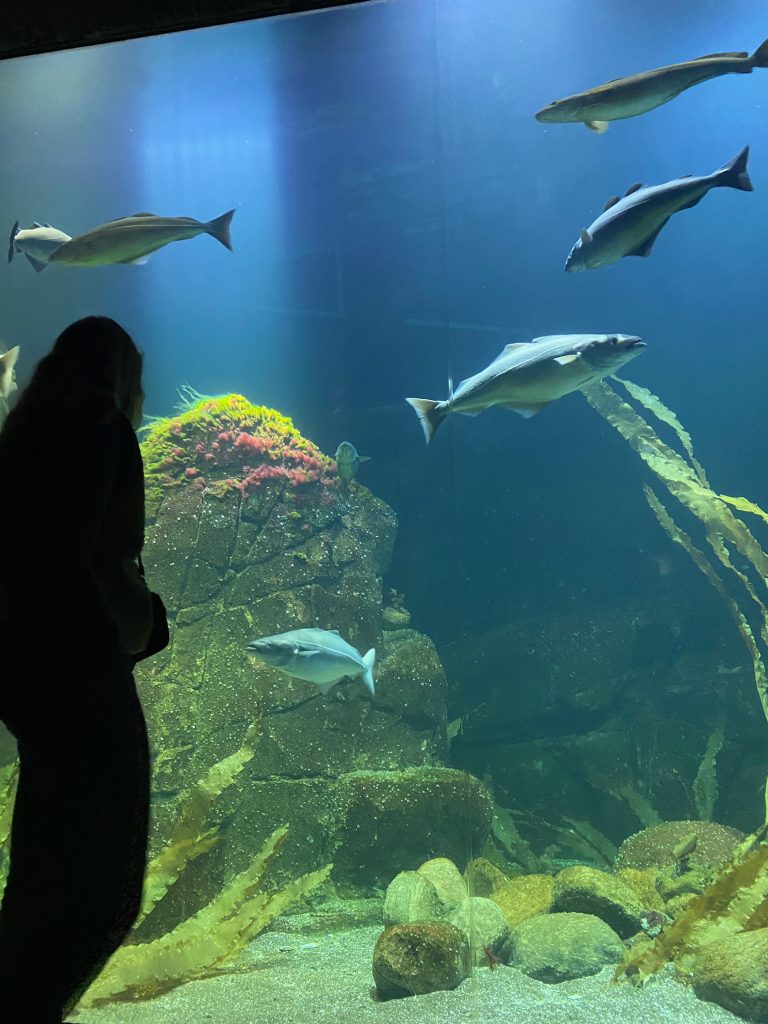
(586, 890)
(524, 897)
(414, 814)
(484, 878)
(652, 848)
(557, 947)
(644, 882)
(414, 959)
(733, 972)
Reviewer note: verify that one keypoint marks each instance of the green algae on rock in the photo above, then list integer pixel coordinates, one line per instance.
(557, 947)
(226, 443)
(413, 959)
(654, 847)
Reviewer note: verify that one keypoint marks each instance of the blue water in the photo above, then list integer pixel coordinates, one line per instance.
(400, 217)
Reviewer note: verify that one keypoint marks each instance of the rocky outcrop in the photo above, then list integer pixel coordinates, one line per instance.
(250, 534)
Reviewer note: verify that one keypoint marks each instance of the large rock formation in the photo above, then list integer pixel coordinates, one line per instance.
(250, 532)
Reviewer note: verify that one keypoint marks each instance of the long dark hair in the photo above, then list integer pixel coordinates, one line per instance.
(93, 368)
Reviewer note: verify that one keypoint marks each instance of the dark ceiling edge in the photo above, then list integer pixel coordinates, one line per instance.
(41, 27)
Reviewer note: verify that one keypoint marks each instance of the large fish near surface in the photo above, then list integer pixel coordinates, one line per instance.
(133, 239)
(628, 97)
(630, 226)
(36, 243)
(319, 656)
(528, 375)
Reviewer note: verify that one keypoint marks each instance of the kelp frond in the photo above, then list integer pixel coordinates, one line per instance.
(685, 480)
(737, 900)
(189, 838)
(203, 944)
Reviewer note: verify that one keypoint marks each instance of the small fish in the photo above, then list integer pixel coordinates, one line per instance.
(133, 239)
(348, 461)
(629, 226)
(37, 243)
(527, 376)
(319, 656)
(628, 97)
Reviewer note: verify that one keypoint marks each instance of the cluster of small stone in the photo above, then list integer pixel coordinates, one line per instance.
(568, 925)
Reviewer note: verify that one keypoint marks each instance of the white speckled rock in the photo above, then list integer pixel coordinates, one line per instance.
(484, 924)
(410, 898)
(557, 947)
(447, 880)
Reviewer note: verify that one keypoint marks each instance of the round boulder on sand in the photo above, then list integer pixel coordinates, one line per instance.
(558, 947)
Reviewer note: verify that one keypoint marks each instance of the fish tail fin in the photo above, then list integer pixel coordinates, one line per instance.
(429, 415)
(219, 228)
(369, 660)
(11, 245)
(734, 173)
(759, 58)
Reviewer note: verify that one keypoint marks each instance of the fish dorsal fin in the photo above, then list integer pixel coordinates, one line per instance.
(712, 56)
(142, 213)
(584, 237)
(334, 631)
(566, 360)
(37, 224)
(634, 188)
(507, 350)
(611, 201)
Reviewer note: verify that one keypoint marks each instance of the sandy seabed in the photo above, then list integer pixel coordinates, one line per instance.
(312, 979)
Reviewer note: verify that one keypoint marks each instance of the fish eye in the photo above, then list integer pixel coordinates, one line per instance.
(613, 341)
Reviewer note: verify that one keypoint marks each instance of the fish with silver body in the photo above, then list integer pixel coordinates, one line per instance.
(318, 656)
(8, 361)
(133, 239)
(527, 376)
(636, 94)
(348, 461)
(36, 243)
(629, 226)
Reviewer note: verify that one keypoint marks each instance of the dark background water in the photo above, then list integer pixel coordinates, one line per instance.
(400, 217)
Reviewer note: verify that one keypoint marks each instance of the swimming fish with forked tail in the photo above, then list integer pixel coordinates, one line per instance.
(636, 94)
(36, 243)
(528, 375)
(319, 656)
(133, 239)
(630, 226)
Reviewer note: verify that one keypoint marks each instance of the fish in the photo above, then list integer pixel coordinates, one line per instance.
(319, 656)
(629, 226)
(133, 239)
(637, 94)
(36, 243)
(528, 375)
(7, 379)
(348, 461)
